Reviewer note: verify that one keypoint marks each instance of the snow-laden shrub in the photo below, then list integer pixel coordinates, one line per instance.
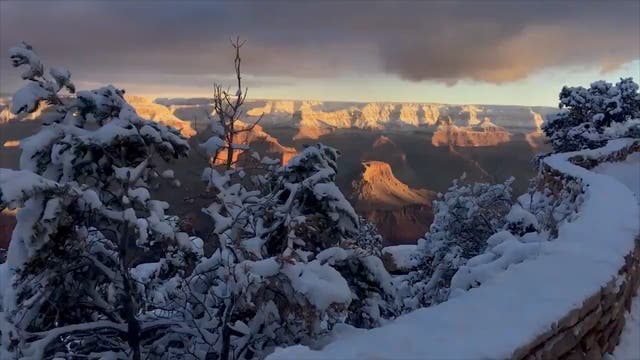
(464, 218)
(552, 198)
(519, 240)
(86, 219)
(595, 115)
(531, 222)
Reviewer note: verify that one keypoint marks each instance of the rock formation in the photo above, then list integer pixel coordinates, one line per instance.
(260, 141)
(156, 112)
(484, 134)
(535, 137)
(314, 118)
(400, 213)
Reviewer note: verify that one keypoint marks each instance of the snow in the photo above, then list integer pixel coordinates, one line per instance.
(484, 267)
(402, 255)
(629, 346)
(145, 271)
(23, 54)
(321, 284)
(627, 172)
(265, 268)
(28, 98)
(139, 194)
(197, 245)
(518, 215)
(213, 145)
(91, 199)
(62, 76)
(16, 185)
(150, 132)
(130, 174)
(515, 306)
(167, 174)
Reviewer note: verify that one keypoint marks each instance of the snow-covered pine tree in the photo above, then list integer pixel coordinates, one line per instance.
(594, 115)
(87, 219)
(325, 224)
(464, 218)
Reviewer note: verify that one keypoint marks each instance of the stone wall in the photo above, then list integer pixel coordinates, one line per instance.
(592, 329)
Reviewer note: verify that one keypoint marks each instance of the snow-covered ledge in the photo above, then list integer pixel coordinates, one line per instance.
(567, 301)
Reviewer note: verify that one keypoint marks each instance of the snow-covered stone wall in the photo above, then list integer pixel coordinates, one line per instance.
(592, 329)
(566, 302)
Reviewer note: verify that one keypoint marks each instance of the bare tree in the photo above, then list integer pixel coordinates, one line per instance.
(228, 108)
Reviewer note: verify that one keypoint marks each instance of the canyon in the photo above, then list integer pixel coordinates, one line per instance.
(314, 119)
(395, 156)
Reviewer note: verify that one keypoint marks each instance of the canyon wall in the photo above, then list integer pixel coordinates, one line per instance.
(401, 214)
(403, 225)
(327, 116)
(146, 108)
(486, 134)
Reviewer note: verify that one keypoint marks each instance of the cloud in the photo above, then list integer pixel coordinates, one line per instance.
(448, 41)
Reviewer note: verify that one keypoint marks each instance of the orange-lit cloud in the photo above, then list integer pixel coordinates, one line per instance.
(176, 44)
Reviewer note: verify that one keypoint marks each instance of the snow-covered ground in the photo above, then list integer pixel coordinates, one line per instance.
(628, 173)
(517, 305)
(629, 347)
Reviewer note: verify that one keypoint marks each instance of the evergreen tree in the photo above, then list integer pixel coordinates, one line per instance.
(87, 219)
(595, 115)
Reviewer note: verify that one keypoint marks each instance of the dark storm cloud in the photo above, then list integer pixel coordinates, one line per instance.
(445, 41)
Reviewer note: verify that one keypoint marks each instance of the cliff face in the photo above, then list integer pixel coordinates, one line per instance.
(143, 106)
(156, 112)
(484, 134)
(404, 225)
(315, 118)
(261, 142)
(378, 188)
(386, 150)
(536, 137)
(7, 116)
(314, 123)
(400, 213)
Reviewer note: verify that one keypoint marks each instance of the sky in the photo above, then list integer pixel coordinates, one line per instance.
(483, 52)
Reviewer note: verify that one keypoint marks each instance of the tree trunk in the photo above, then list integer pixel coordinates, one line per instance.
(230, 146)
(133, 326)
